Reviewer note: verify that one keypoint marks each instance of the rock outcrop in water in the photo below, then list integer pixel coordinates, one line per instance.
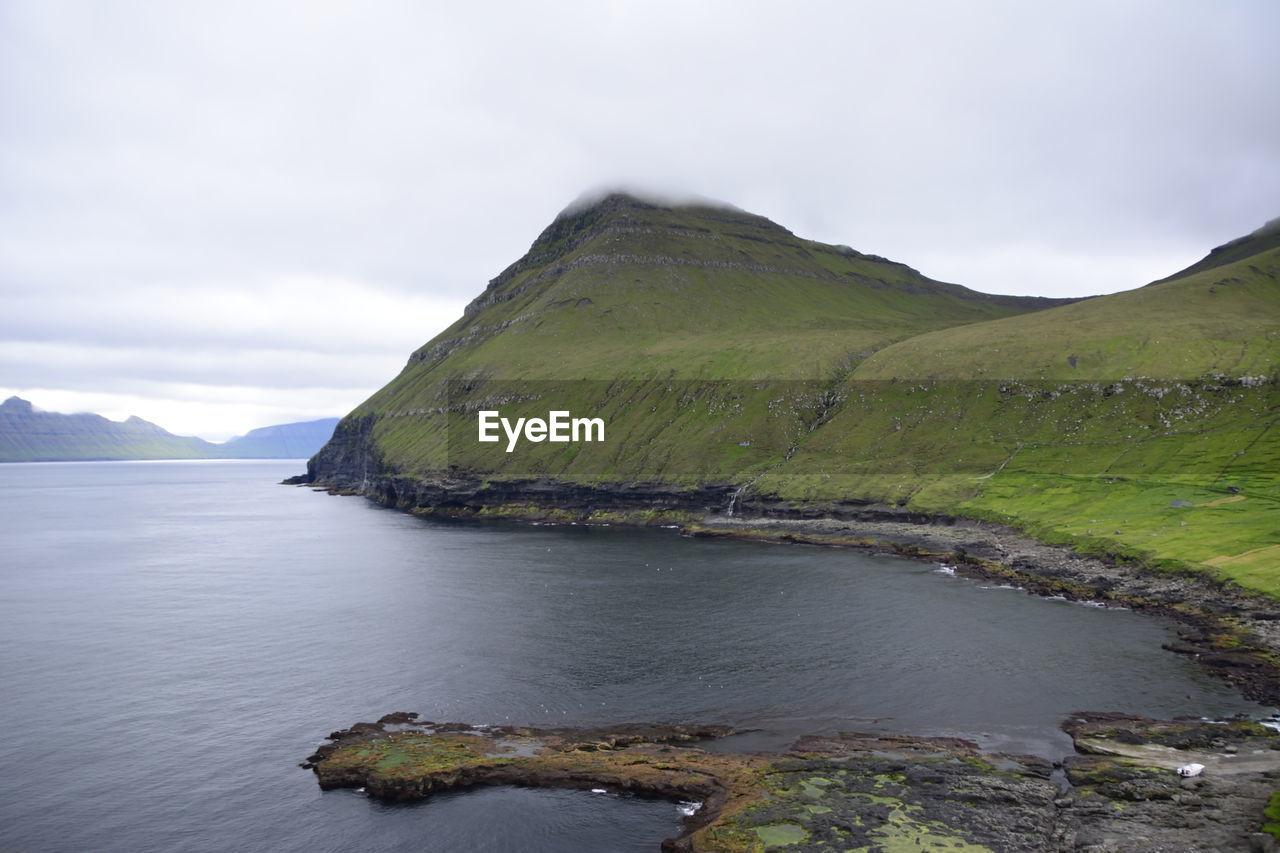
(849, 791)
(756, 384)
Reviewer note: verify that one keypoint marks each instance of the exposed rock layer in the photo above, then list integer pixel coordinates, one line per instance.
(853, 791)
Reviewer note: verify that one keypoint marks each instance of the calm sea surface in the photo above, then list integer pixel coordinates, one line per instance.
(176, 637)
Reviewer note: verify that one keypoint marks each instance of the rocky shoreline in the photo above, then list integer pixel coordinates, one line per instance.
(876, 792)
(1118, 792)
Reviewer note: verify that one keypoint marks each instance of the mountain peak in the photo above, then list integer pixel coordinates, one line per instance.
(618, 219)
(17, 405)
(603, 201)
(656, 283)
(602, 208)
(610, 199)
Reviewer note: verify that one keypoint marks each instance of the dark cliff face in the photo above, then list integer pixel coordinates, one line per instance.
(463, 496)
(349, 460)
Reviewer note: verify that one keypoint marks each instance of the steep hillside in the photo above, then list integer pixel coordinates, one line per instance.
(620, 287)
(662, 320)
(735, 367)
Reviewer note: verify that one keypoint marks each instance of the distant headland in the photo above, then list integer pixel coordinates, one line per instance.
(30, 435)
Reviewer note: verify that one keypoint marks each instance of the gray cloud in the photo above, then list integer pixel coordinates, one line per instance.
(170, 172)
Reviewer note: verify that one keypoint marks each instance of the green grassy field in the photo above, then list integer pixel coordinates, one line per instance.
(1118, 407)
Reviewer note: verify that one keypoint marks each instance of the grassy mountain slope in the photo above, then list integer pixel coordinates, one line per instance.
(721, 349)
(659, 319)
(626, 288)
(1141, 424)
(1218, 320)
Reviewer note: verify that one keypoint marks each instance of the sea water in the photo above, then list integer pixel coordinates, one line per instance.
(176, 637)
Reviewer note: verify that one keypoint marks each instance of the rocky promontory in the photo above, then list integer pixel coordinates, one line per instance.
(1120, 792)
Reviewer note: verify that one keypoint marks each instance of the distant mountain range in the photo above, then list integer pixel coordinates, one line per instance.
(29, 435)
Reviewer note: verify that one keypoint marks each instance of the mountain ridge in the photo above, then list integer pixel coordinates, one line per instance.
(28, 434)
(589, 219)
(750, 370)
(623, 253)
(1262, 239)
(624, 289)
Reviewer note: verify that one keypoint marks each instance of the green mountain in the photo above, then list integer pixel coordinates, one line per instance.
(619, 303)
(736, 367)
(28, 435)
(694, 291)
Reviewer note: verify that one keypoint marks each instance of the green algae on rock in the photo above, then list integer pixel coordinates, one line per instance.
(848, 791)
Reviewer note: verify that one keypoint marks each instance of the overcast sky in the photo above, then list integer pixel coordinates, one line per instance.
(223, 215)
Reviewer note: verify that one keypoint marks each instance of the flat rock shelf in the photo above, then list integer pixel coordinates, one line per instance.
(1120, 791)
